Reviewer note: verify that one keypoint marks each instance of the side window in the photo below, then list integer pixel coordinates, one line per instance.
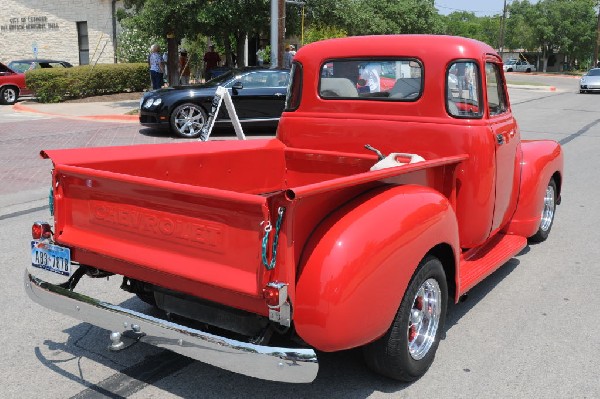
(495, 89)
(254, 79)
(463, 82)
(279, 79)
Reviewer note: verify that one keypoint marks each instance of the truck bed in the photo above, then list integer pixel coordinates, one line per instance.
(191, 217)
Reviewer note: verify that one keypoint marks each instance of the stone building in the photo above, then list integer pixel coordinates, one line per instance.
(78, 31)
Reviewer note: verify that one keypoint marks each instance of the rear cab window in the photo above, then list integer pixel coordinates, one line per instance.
(463, 93)
(389, 79)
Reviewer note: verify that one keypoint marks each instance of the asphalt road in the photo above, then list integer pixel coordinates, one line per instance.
(530, 330)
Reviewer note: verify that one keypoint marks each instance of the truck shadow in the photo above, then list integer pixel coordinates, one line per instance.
(341, 374)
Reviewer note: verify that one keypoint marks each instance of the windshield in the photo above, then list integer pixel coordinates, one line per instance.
(20, 66)
(594, 72)
(510, 62)
(221, 80)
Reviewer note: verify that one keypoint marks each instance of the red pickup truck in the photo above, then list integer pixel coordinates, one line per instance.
(262, 252)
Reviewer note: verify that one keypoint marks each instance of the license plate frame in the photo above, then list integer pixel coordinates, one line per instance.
(51, 257)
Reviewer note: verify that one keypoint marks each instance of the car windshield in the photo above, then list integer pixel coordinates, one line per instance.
(594, 72)
(510, 62)
(19, 66)
(23, 66)
(221, 80)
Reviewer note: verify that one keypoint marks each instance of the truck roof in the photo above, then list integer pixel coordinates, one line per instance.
(433, 47)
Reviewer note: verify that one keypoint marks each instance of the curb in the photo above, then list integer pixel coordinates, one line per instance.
(115, 117)
(530, 87)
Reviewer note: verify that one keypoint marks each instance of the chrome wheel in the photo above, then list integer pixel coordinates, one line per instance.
(548, 211)
(408, 348)
(424, 319)
(549, 208)
(188, 120)
(8, 95)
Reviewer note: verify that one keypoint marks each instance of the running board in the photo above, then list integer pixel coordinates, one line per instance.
(477, 264)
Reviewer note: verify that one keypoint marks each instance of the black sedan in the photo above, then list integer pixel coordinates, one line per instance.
(258, 96)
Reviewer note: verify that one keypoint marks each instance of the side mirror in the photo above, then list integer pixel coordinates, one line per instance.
(237, 85)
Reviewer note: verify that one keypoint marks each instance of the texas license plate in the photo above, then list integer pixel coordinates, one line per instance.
(51, 257)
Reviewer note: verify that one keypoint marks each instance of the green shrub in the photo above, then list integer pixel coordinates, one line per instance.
(52, 85)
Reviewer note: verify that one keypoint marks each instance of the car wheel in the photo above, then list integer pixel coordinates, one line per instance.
(548, 211)
(528, 70)
(187, 120)
(509, 70)
(9, 95)
(408, 348)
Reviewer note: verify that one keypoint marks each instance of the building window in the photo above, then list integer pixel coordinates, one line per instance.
(84, 43)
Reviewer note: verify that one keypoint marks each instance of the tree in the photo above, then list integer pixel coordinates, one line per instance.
(232, 21)
(172, 20)
(551, 26)
(467, 24)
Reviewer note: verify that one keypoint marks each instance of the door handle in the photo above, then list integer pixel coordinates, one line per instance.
(500, 139)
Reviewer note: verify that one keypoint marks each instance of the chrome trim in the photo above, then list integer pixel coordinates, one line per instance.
(270, 363)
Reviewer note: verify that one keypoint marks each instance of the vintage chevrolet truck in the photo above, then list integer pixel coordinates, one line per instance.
(262, 252)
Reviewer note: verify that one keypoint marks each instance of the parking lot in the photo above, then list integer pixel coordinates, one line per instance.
(527, 331)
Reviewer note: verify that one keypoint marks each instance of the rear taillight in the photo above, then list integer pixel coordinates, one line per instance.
(275, 294)
(41, 230)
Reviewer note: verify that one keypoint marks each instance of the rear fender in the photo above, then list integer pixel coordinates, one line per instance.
(359, 261)
(541, 161)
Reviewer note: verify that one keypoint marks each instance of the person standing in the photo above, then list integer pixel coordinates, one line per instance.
(211, 61)
(288, 56)
(260, 56)
(157, 67)
(184, 68)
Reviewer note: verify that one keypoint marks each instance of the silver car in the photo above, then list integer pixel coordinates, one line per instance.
(590, 81)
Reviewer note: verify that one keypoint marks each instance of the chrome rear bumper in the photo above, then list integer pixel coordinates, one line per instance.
(265, 362)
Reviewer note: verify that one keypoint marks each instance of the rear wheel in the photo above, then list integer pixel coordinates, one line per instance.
(408, 348)
(548, 211)
(9, 95)
(187, 120)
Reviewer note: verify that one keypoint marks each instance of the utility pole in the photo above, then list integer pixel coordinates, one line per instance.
(502, 26)
(595, 60)
(274, 32)
(281, 30)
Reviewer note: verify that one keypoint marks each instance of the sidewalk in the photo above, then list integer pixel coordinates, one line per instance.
(108, 111)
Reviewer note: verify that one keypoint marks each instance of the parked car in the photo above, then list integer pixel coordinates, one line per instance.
(258, 95)
(27, 64)
(514, 65)
(12, 85)
(590, 82)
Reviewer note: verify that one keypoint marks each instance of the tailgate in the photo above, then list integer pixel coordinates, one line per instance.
(196, 234)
